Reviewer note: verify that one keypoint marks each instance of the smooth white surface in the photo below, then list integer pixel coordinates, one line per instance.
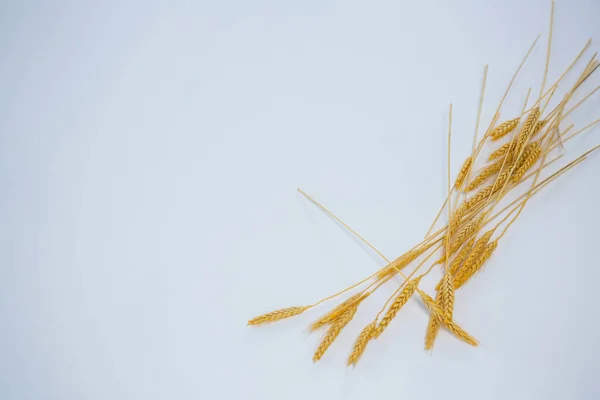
(149, 159)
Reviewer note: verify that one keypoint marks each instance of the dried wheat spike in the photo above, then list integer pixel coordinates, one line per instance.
(483, 257)
(447, 294)
(464, 171)
(445, 297)
(361, 343)
(504, 129)
(472, 258)
(452, 326)
(460, 257)
(336, 311)
(465, 233)
(433, 327)
(277, 315)
(400, 301)
(527, 162)
(402, 261)
(333, 333)
(499, 152)
(526, 131)
(484, 175)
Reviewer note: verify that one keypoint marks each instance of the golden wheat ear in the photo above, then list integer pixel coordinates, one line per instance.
(277, 315)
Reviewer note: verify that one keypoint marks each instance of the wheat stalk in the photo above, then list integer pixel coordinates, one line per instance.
(504, 129)
(400, 301)
(361, 343)
(433, 327)
(277, 315)
(333, 333)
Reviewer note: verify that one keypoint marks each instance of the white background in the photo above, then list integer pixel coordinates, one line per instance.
(149, 156)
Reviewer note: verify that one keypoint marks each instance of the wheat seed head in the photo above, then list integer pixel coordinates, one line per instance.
(333, 333)
(504, 129)
(277, 315)
(361, 343)
(400, 301)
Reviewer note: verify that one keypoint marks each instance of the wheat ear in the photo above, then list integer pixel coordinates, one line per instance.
(500, 151)
(433, 327)
(460, 257)
(472, 258)
(336, 311)
(361, 343)
(452, 326)
(527, 162)
(504, 129)
(277, 315)
(400, 301)
(526, 131)
(333, 333)
(484, 175)
(464, 171)
(476, 266)
(445, 297)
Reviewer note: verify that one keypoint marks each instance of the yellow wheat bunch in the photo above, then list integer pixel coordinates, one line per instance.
(464, 171)
(400, 301)
(476, 266)
(484, 175)
(361, 343)
(504, 129)
(277, 315)
(337, 311)
(452, 326)
(333, 333)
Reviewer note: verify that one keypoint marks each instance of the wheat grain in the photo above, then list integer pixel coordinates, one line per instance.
(277, 315)
(476, 266)
(336, 312)
(361, 343)
(333, 333)
(400, 301)
(464, 171)
(504, 129)
(484, 175)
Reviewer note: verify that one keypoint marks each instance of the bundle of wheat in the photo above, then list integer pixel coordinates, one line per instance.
(471, 236)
